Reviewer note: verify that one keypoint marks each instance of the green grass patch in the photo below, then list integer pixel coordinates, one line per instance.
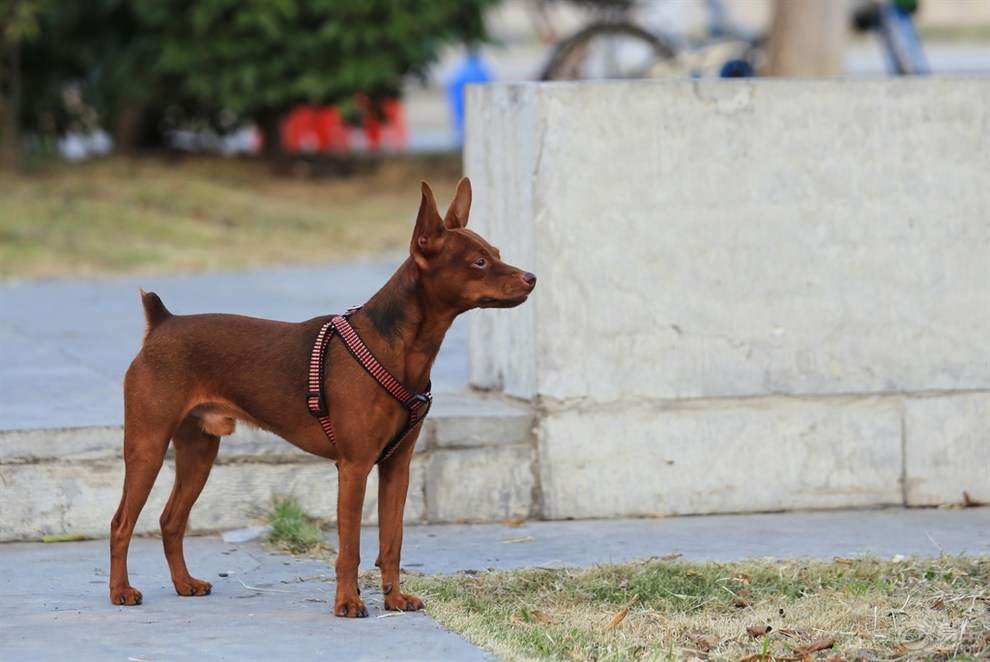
(293, 529)
(866, 608)
(154, 215)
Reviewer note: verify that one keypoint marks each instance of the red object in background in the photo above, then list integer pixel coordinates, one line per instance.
(297, 130)
(389, 132)
(315, 129)
(331, 130)
(321, 129)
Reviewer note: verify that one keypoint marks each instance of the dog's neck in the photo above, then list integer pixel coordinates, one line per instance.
(411, 325)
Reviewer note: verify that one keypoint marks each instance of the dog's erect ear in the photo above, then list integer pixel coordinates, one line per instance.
(460, 206)
(427, 239)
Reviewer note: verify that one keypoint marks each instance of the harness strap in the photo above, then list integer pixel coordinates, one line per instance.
(418, 404)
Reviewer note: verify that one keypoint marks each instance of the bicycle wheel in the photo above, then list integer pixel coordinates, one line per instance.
(607, 50)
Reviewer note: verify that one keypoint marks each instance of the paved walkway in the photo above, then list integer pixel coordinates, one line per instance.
(70, 341)
(53, 598)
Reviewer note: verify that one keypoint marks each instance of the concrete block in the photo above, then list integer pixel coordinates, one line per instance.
(60, 445)
(735, 238)
(480, 484)
(504, 137)
(484, 421)
(81, 497)
(238, 493)
(106, 443)
(69, 480)
(720, 456)
(947, 449)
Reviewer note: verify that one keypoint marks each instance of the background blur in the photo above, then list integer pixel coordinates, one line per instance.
(755, 296)
(220, 134)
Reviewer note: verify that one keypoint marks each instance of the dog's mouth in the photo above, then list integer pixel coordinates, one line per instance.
(492, 302)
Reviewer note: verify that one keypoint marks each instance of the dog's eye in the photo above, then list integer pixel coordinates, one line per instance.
(480, 263)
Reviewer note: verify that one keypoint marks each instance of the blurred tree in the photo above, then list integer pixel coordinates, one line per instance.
(90, 66)
(18, 23)
(256, 59)
(120, 63)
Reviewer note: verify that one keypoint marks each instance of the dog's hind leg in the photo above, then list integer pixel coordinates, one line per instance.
(195, 451)
(147, 430)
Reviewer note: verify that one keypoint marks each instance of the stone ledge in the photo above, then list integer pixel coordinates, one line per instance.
(553, 405)
(458, 420)
(81, 498)
(69, 480)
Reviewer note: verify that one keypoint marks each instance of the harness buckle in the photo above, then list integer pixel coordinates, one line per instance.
(417, 400)
(321, 409)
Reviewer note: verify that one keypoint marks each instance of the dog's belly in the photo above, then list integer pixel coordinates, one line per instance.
(220, 419)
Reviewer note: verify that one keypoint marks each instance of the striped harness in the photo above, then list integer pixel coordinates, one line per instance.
(418, 404)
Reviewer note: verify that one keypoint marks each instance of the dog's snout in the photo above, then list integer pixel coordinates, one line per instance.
(530, 279)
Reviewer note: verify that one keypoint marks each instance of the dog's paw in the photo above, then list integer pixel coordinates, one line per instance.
(402, 602)
(190, 586)
(350, 607)
(128, 596)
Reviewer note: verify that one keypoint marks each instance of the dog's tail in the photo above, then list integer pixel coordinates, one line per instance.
(155, 311)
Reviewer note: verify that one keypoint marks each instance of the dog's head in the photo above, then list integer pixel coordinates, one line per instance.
(456, 265)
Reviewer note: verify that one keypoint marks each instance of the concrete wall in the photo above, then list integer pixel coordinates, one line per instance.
(753, 295)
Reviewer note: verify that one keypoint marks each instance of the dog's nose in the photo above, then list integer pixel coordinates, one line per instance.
(530, 279)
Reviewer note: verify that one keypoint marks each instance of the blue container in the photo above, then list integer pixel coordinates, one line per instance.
(472, 69)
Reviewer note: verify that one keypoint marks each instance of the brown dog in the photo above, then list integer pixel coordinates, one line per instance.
(196, 374)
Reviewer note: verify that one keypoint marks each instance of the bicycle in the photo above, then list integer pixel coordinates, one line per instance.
(614, 45)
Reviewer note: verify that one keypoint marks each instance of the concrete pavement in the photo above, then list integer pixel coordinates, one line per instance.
(885, 532)
(53, 598)
(65, 344)
(54, 606)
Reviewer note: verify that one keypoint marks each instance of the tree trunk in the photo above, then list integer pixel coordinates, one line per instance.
(808, 38)
(270, 125)
(10, 144)
(127, 129)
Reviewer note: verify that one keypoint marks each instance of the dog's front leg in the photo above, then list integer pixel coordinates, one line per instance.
(350, 501)
(393, 483)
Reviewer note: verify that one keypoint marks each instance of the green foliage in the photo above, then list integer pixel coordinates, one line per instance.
(293, 529)
(244, 59)
(87, 62)
(251, 57)
(18, 20)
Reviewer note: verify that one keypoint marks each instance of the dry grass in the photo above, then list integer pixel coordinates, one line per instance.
(910, 609)
(155, 215)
